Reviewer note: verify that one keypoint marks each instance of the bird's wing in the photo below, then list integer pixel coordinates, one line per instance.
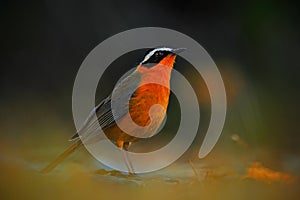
(105, 117)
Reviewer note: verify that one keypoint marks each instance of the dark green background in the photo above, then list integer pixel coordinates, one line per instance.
(255, 44)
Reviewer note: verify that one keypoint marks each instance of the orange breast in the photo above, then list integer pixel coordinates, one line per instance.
(154, 89)
(148, 94)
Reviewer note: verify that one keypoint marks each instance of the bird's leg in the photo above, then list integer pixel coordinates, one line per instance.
(125, 146)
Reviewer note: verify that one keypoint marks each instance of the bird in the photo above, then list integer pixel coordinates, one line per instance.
(156, 64)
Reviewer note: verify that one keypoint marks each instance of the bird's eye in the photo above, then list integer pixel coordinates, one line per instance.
(159, 53)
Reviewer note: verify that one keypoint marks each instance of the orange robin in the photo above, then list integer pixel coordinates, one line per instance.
(157, 64)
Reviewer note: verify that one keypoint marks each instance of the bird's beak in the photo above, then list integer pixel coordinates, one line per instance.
(178, 50)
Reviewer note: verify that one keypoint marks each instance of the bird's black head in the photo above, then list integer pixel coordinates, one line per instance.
(155, 55)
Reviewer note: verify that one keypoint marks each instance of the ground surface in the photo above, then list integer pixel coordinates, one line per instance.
(225, 174)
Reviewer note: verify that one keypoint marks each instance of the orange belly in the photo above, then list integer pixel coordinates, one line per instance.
(139, 106)
(144, 97)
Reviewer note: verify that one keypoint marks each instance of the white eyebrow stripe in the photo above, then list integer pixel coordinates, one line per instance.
(151, 53)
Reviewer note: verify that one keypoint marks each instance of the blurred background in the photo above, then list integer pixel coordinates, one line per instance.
(255, 45)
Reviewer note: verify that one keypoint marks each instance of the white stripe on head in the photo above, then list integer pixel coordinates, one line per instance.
(151, 53)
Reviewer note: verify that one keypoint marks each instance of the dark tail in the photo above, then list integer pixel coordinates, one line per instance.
(62, 157)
